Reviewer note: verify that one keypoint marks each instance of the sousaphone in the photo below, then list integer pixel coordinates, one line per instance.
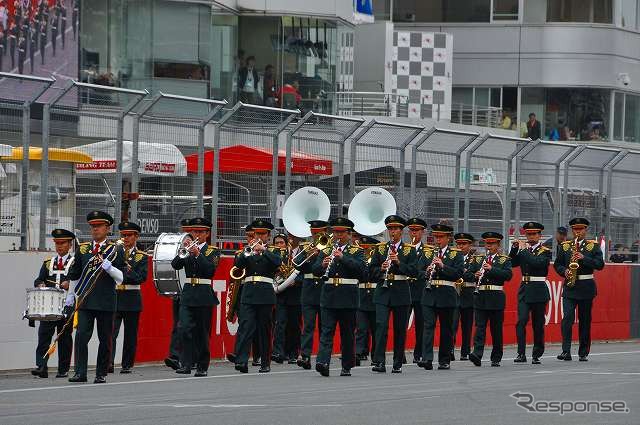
(369, 208)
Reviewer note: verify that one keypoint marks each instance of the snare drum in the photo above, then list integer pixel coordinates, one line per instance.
(45, 304)
(167, 280)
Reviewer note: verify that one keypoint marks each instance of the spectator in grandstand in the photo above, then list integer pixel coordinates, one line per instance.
(533, 127)
(289, 95)
(618, 255)
(506, 121)
(561, 236)
(248, 80)
(269, 86)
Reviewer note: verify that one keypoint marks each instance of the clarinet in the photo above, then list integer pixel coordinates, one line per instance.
(325, 276)
(482, 269)
(385, 284)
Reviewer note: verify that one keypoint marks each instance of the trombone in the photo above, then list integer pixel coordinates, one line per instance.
(323, 241)
(184, 251)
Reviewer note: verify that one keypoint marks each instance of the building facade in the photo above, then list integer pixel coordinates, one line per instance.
(574, 63)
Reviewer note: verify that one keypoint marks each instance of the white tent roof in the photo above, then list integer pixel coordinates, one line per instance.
(154, 159)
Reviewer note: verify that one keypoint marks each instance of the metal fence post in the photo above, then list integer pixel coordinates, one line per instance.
(215, 179)
(24, 178)
(274, 169)
(528, 148)
(456, 189)
(414, 170)
(201, 136)
(558, 197)
(402, 170)
(567, 167)
(341, 161)
(288, 153)
(608, 169)
(467, 179)
(352, 158)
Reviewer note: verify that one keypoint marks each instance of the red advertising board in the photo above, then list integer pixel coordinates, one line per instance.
(611, 313)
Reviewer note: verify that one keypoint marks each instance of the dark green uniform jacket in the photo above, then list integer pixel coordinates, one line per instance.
(532, 263)
(103, 295)
(398, 292)
(583, 289)
(498, 275)
(265, 265)
(442, 296)
(203, 266)
(135, 273)
(471, 266)
(351, 266)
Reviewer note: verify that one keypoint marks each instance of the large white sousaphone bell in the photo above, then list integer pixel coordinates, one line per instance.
(369, 208)
(304, 205)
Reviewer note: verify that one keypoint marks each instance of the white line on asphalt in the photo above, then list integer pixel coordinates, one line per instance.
(234, 375)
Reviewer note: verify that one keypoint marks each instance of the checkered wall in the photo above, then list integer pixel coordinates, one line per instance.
(421, 72)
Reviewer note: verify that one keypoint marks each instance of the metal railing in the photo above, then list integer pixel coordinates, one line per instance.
(481, 116)
(372, 104)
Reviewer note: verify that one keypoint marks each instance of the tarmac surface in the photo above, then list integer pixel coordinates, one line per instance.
(465, 394)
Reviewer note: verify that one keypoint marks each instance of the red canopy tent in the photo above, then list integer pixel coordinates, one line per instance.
(248, 159)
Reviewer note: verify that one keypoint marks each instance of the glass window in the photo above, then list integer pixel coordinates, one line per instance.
(598, 11)
(381, 9)
(441, 11)
(618, 104)
(505, 10)
(632, 118)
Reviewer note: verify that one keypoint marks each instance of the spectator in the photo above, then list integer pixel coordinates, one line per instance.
(618, 255)
(565, 132)
(289, 95)
(595, 134)
(506, 121)
(248, 80)
(561, 236)
(554, 134)
(533, 127)
(269, 86)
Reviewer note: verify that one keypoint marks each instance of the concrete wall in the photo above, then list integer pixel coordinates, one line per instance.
(17, 340)
(373, 49)
(588, 55)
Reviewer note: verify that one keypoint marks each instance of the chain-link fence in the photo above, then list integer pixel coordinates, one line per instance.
(316, 156)
(169, 146)
(437, 173)
(158, 159)
(379, 157)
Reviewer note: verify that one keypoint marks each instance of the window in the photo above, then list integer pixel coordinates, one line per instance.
(505, 10)
(631, 118)
(442, 11)
(597, 11)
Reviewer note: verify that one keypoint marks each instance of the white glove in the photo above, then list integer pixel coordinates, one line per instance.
(115, 273)
(71, 297)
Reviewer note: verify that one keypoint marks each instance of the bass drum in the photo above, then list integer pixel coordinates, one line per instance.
(168, 281)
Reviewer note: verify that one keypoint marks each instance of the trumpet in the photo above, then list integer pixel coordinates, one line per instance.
(184, 251)
(519, 243)
(248, 250)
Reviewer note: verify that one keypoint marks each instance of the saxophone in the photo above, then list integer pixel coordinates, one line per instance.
(236, 276)
(573, 265)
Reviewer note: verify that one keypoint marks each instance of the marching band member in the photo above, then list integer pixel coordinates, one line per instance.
(258, 297)
(311, 292)
(464, 313)
(441, 268)
(579, 290)
(396, 260)
(197, 299)
(53, 273)
(533, 294)
(173, 360)
(490, 300)
(366, 314)
(129, 298)
(249, 236)
(99, 301)
(416, 231)
(286, 345)
(340, 267)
